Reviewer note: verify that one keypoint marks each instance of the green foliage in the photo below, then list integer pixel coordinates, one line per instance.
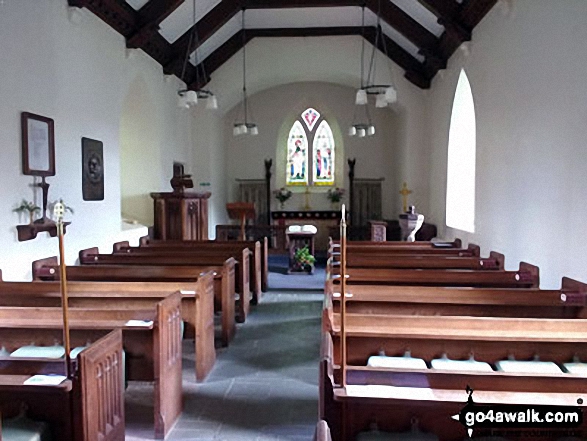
(303, 257)
(27, 206)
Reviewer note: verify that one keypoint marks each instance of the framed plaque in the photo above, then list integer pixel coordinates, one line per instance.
(38, 145)
(92, 170)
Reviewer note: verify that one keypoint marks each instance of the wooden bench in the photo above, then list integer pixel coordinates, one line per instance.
(88, 407)
(263, 256)
(390, 248)
(197, 303)
(526, 277)
(192, 252)
(394, 396)
(569, 301)
(143, 277)
(495, 261)
(152, 349)
(91, 257)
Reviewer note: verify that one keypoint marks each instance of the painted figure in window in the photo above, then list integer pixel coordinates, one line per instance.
(297, 156)
(324, 154)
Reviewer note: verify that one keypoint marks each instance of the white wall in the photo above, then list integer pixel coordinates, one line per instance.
(526, 69)
(286, 75)
(78, 73)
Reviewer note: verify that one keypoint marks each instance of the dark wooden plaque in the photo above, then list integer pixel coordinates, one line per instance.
(92, 170)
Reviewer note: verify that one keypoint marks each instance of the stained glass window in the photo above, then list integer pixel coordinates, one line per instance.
(313, 166)
(323, 152)
(297, 156)
(310, 117)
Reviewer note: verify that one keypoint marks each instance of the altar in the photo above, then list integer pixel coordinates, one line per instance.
(322, 220)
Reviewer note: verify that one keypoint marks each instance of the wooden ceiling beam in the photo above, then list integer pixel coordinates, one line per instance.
(470, 14)
(415, 71)
(422, 38)
(448, 13)
(117, 13)
(149, 18)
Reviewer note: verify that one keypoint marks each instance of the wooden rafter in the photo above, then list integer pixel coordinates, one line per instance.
(140, 28)
(150, 17)
(415, 71)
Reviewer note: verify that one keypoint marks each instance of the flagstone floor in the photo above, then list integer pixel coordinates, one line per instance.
(264, 386)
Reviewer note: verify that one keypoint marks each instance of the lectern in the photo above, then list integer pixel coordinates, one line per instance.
(241, 211)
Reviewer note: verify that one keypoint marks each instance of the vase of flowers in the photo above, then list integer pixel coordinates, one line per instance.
(282, 195)
(335, 195)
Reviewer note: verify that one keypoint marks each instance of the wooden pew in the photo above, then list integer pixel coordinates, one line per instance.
(186, 279)
(92, 257)
(433, 396)
(526, 277)
(206, 244)
(153, 350)
(390, 248)
(188, 251)
(495, 261)
(197, 303)
(569, 302)
(89, 407)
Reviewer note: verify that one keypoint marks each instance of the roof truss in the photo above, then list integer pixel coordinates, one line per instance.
(140, 28)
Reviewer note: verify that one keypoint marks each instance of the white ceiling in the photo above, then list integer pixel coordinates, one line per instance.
(182, 19)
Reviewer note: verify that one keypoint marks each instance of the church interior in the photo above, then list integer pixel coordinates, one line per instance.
(292, 219)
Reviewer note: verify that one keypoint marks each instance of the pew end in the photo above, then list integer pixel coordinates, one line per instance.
(473, 248)
(458, 243)
(42, 268)
(88, 255)
(568, 284)
(144, 241)
(499, 259)
(530, 273)
(119, 246)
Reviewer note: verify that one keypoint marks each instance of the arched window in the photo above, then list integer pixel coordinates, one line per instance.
(320, 170)
(460, 186)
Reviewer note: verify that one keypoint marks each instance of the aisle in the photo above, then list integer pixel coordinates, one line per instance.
(264, 386)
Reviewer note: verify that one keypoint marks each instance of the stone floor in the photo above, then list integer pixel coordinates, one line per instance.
(264, 386)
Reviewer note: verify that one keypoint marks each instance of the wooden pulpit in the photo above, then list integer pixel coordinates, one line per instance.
(241, 211)
(181, 216)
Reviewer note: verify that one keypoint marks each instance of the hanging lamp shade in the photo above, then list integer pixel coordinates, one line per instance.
(361, 98)
(381, 101)
(371, 130)
(191, 98)
(212, 102)
(361, 133)
(391, 95)
(352, 131)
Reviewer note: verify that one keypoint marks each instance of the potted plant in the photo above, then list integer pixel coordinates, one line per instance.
(335, 195)
(282, 195)
(304, 260)
(28, 207)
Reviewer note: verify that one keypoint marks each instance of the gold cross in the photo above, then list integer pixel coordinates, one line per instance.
(405, 192)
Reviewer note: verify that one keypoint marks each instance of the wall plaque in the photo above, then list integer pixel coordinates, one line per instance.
(92, 170)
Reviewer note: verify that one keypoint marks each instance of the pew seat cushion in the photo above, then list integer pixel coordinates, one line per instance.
(528, 367)
(446, 364)
(576, 368)
(33, 351)
(405, 362)
(22, 428)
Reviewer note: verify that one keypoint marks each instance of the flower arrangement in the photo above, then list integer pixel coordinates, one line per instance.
(28, 207)
(282, 195)
(335, 194)
(304, 260)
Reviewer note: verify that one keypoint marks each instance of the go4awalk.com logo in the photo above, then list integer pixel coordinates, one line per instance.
(519, 417)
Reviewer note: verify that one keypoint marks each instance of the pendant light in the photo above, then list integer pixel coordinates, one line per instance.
(189, 98)
(244, 127)
(385, 93)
